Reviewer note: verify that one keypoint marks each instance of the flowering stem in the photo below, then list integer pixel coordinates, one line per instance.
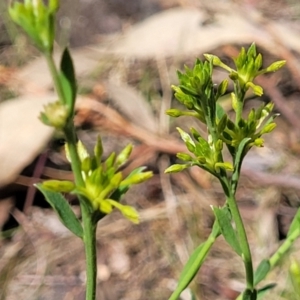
(89, 226)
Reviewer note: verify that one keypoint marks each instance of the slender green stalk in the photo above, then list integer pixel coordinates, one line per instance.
(71, 140)
(240, 228)
(246, 253)
(89, 227)
(55, 76)
(284, 248)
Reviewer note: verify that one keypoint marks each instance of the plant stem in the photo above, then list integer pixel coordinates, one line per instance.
(246, 253)
(89, 227)
(284, 248)
(55, 76)
(242, 236)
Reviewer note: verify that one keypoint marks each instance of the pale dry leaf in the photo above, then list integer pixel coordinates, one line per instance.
(132, 104)
(22, 134)
(35, 76)
(183, 32)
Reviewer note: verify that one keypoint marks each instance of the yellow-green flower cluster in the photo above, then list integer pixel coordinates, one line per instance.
(104, 183)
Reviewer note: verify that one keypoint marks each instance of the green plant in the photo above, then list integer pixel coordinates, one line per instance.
(197, 92)
(99, 185)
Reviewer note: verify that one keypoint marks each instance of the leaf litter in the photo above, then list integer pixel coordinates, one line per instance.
(149, 262)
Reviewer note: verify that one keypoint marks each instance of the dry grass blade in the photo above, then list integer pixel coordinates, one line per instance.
(132, 104)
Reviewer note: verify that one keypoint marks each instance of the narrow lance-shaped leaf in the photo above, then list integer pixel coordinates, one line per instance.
(68, 79)
(63, 210)
(262, 291)
(238, 159)
(195, 262)
(224, 219)
(262, 270)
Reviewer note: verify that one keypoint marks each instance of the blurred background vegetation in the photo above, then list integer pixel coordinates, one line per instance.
(126, 55)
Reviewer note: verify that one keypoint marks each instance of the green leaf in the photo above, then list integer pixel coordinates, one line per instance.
(63, 210)
(195, 262)
(68, 78)
(224, 219)
(262, 270)
(295, 225)
(262, 291)
(238, 159)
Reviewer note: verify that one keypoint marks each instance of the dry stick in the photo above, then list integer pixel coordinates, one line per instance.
(38, 171)
(167, 95)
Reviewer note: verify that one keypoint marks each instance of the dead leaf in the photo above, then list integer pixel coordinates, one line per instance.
(132, 104)
(22, 135)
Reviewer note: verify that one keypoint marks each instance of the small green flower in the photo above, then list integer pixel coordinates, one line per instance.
(37, 20)
(104, 184)
(248, 67)
(55, 114)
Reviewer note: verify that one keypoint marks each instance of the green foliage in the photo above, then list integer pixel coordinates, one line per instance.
(98, 185)
(63, 210)
(104, 184)
(37, 20)
(195, 262)
(197, 92)
(224, 219)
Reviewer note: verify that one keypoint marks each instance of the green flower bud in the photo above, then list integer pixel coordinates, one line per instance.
(234, 101)
(258, 62)
(124, 155)
(184, 156)
(176, 168)
(127, 211)
(86, 165)
(257, 90)
(82, 151)
(55, 115)
(105, 206)
(61, 186)
(98, 151)
(175, 113)
(259, 142)
(224, 165)
(185, 136)
(222, 88)
(219, 145)
(268, 128)
(275, 66)
(137, 178)
(130, 213)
